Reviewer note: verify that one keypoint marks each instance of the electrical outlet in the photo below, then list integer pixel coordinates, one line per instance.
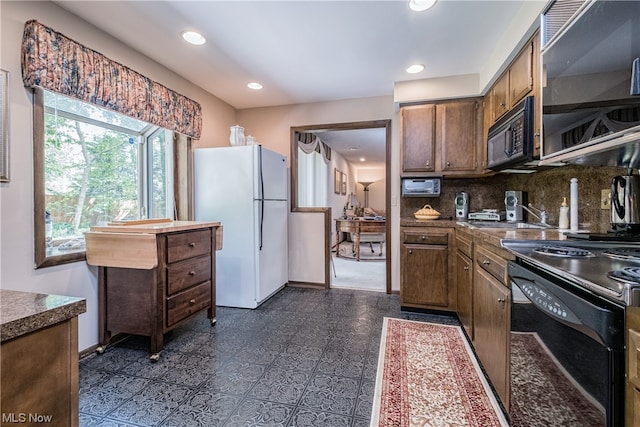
(605, 198)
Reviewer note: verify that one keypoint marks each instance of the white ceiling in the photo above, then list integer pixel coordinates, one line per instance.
(308, 51)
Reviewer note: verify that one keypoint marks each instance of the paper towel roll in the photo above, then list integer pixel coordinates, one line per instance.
(573, 212)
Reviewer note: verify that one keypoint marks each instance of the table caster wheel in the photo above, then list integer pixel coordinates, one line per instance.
(154, 357)
(100, 349)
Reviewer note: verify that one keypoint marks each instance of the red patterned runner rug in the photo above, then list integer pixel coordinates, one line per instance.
(549, 388)
(428, 376)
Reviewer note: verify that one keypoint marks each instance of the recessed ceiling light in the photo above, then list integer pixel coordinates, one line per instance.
(254, 86)
(362, 159)
(420, 5)
(193, 37)
(416, 68)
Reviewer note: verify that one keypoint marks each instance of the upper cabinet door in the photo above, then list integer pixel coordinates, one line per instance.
(418, 138)
(457, 135)
(500, 97)
(521, 75)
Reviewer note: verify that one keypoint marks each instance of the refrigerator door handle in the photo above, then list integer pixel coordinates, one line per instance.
(261, 223)
(261, 195)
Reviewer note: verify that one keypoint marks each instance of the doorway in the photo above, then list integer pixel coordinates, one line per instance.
(299, 184)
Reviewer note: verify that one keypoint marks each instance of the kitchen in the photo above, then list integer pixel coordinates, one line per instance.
(72, 279)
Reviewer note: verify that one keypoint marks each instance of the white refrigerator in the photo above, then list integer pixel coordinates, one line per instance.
(245, 188)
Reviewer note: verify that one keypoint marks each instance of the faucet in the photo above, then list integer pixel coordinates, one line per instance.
(541, 215)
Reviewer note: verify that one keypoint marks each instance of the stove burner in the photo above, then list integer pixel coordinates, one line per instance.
(629, 275)
(628, 254)
(563, 252)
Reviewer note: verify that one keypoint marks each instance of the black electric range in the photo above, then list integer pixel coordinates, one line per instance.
(610, 268)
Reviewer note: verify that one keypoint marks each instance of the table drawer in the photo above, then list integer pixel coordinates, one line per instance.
(187, 245)
(184, 274)
(186, 303)
(493, 263)
(423, 238)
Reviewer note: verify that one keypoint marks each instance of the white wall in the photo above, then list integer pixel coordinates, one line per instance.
(16, 197)
(271, 125)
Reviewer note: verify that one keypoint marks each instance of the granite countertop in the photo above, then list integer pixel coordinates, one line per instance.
(25, 312)
(492, 236)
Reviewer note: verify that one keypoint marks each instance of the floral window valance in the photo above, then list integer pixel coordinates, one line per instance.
(57, 63)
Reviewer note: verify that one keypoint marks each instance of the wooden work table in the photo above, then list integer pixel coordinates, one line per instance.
(153, 276)
(357, 226)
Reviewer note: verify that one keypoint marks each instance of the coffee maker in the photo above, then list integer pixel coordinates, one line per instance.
(625, 203)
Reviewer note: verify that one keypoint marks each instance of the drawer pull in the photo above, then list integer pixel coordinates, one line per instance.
(192, 273)
(466, 267)
(423, 237)
(192, 245)
(486, 262)
(192, 301)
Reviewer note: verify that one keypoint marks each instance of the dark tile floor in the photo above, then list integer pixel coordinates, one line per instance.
(304, 358)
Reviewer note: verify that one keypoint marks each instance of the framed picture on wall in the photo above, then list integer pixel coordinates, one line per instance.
(343, 183)
(337, 176)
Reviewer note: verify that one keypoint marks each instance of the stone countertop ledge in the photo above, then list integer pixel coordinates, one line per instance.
(25, 312)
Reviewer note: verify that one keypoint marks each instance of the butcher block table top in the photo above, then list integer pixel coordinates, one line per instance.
(133, 244)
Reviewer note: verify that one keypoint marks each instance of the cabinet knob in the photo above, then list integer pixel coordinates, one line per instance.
(501, 300)
(423, 237)
(448, 163)
(466, 267)
(410, 251)
(192, 273)
(192, 301)
(427, 163)
(192, 245)
(486, 262)
(502, 104)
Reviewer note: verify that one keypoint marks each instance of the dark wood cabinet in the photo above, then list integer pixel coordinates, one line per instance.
(492, 317)
(457, 135)
(443, 137)
(632, 407)
(425, 263)
(418, 124)
(153, 301)
(464, 280)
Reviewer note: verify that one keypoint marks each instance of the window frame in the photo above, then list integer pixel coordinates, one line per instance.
(41, 259)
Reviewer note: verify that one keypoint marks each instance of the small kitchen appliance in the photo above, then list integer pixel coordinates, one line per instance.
(462, 205)
(488, 215)
(421, 187)
(513, 202)
(625, 203)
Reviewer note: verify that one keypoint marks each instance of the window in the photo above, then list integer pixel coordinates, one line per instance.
(313, 179)
(93, 166)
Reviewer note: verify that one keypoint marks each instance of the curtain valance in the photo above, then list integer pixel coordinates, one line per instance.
(309, 143)
(57, 63)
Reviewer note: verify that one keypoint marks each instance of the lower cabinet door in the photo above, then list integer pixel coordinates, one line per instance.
(464, 281)
(491, 324)
(424, 275)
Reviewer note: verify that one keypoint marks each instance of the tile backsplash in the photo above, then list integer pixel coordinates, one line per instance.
(545, 189)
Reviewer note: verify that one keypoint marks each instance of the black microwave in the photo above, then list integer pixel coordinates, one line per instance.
(591, 84)
(510, 139)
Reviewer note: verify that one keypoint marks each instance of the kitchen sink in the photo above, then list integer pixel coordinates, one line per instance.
(496, 224)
